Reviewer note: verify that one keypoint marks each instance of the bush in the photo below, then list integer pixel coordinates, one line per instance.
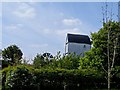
(26, 78)
(19, 77)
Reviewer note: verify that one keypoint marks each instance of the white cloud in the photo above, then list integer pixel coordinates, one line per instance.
(46, 31)
(31, 2)
(61, 14)
(13, 26)
(25, 11)
(71, 21)
(38, 45)
(62, 33)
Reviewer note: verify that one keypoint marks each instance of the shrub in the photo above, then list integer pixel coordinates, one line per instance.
(19, 77)
(26, 78)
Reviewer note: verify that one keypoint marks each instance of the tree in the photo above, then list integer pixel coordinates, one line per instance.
(12, 54)
(112, 43)
(41, 60)
(112, 49)
(65, 62)
(105, 52)
(69, 61)
(38, 61)
(47, 55)
(18, 78)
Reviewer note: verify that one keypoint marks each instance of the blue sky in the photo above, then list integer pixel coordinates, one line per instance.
(38, 27)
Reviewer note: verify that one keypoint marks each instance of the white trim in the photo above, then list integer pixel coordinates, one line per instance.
(79, 43)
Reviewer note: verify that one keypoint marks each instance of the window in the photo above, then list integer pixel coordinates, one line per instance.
(84, 46)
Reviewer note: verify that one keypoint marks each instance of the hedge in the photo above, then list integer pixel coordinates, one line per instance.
(27, 78)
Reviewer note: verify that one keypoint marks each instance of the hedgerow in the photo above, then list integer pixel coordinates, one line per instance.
(23, 78)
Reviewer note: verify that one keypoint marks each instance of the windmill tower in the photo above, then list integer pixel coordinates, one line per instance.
(77, 44)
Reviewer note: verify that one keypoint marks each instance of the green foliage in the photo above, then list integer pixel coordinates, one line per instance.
(24, 78)
(12, 54)
(97, 56)
(100, 41)
(39, 61)
(69, 62)
(66, 62)
(19, 77)
(5, 63)
(91, 60)
(4, 76)
(42, 60)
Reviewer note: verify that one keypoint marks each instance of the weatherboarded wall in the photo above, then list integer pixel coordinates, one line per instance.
(78, 48)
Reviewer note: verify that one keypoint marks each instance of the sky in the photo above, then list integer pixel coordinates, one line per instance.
(39, 27)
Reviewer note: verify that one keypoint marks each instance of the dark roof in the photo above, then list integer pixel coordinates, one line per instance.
(78, 38)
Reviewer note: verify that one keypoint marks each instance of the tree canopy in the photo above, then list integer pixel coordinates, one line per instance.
(97, 56)
(12, 54)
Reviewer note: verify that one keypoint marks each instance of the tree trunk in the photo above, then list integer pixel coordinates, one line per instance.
(65, 86)
(108, 54)
(109, 77)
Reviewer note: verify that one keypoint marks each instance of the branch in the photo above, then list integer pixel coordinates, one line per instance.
(103, 68)
(114, 53)
(104, 53)
(114, 73)
(106, 78)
